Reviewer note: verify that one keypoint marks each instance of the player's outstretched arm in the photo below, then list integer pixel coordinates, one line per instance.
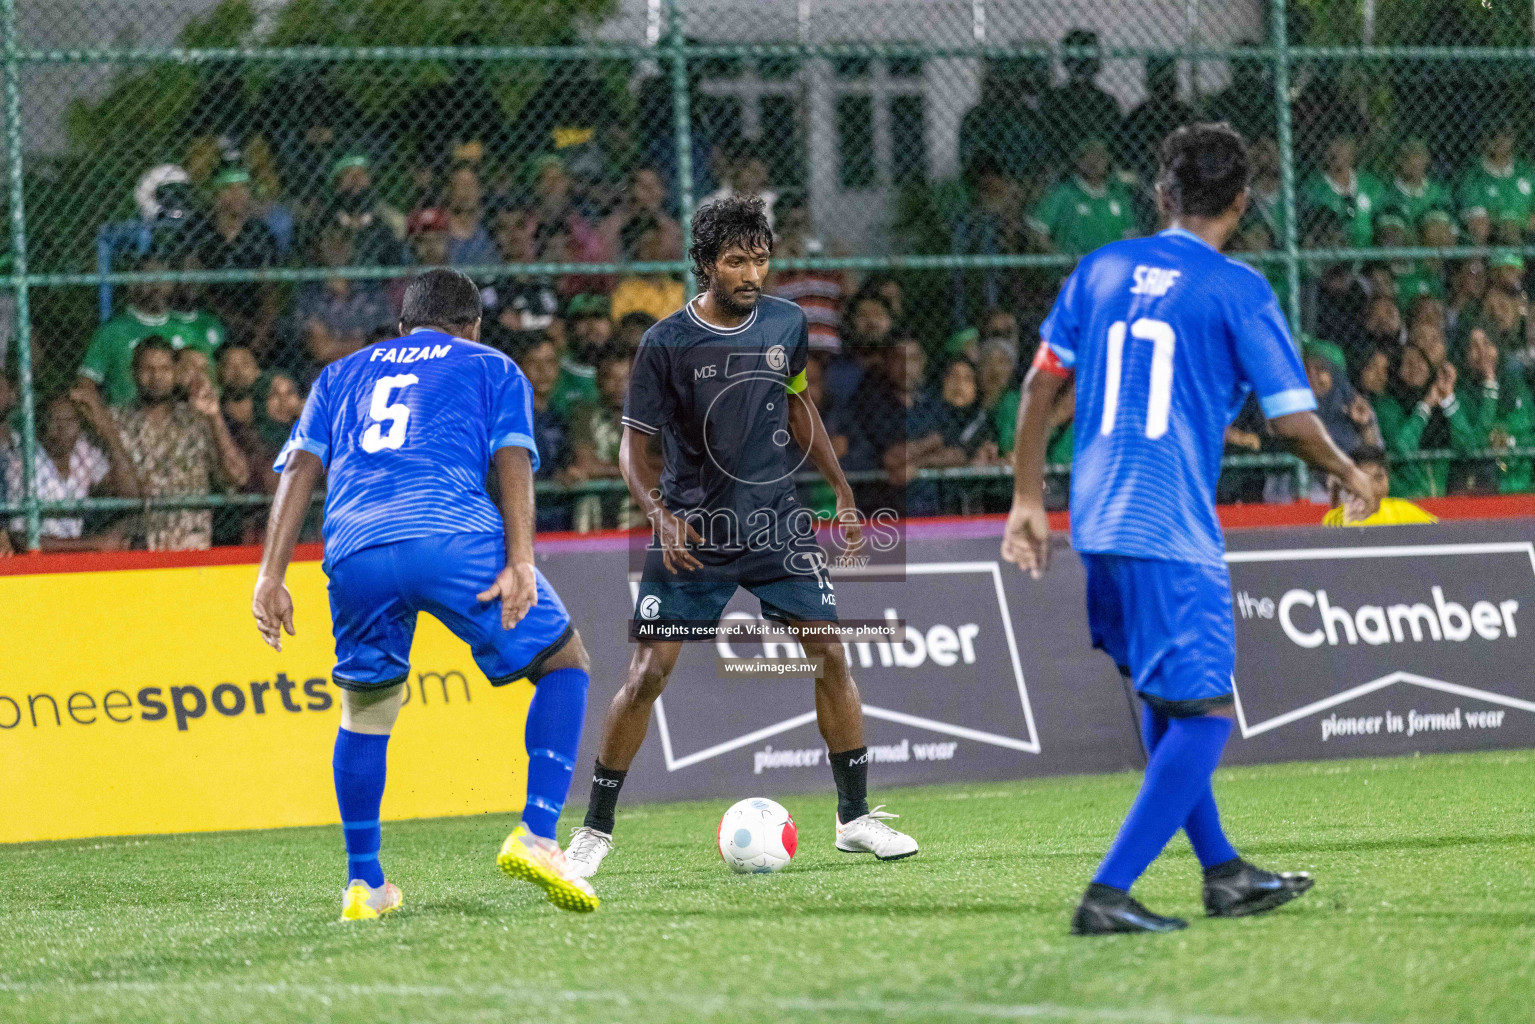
(272, 605)
(1026, 539)
(642, 473)
(810, 434)
(1305, 435)
(515, 586)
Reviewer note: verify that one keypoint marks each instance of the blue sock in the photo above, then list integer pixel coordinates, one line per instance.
(553, 736)
(1204, 822)
(1153, 728)
(1177, 777)
(1205, 833)
(359, 767)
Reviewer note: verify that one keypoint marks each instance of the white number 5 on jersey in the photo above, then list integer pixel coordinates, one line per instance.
(1160, 400)
(397, 415)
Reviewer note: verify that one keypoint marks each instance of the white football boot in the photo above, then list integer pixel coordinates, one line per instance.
(870, 834)
(585, 853)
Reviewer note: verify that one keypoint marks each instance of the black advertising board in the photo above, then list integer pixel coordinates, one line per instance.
(1349, 643)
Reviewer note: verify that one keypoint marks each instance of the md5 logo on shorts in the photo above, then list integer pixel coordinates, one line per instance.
(650, 606)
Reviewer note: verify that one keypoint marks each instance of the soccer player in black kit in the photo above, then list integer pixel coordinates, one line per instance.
(715, 397)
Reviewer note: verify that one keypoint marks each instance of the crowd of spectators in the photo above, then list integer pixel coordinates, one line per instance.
(1421, 357)
(191, 389)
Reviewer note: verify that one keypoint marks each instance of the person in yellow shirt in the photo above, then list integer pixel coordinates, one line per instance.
(1393, 511)
(659, 295)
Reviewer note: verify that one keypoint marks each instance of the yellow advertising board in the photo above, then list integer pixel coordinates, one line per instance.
(142, 701)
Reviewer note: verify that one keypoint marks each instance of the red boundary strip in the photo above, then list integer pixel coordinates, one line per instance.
(1232, 517)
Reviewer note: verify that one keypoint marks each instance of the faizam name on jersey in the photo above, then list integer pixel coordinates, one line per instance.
(407, 451)
(408, 353)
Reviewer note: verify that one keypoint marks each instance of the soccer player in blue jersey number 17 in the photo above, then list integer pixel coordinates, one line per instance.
(407, 432)
(1167, 338)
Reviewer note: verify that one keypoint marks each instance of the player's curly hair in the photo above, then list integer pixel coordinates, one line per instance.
(1204, 168)
(734, 221)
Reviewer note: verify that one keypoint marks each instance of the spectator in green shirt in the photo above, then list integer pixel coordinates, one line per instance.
(1427, 277)
(1062, 440)
(1501, 414)
(595, 432)
(1089, 210)
(1352, 195)
(1415, 414)
(1253, 238)
(1495, 196)
(588, 333)
(1502, 316)
(1436, 228)
(108, 362)
(1468, 287)
(998, 362)
(1265, 202)
(1428, 338)
(1063, 432)
(189, 319)
(1412, 194)
(1507, 273)
(1411, 278)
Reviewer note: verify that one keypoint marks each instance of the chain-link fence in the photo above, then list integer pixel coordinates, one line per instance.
(253, 180)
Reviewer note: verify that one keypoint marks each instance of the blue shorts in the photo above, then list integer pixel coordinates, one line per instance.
(376, 593)
(1167, 625)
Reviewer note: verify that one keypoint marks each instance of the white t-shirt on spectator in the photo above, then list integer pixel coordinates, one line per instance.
(88, 466)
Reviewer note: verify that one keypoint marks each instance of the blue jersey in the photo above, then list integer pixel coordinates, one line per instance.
(1167, 338)
(406, 430)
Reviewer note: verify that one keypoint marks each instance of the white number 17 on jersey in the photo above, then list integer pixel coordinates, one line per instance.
(397, 414)
(1163, 341)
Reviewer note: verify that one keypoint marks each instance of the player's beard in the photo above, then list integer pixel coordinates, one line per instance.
(728, 302)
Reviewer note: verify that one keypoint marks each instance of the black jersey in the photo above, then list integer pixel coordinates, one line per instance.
(720, 400)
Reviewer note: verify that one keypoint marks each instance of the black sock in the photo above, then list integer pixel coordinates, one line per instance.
(1225, 869)
(604, 802)
(1105, 893)
(851, 771)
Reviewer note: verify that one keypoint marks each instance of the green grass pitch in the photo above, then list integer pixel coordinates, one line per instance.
(1424, 910)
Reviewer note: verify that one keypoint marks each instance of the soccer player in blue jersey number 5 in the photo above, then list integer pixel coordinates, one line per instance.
(1167, 338)
(407, 432)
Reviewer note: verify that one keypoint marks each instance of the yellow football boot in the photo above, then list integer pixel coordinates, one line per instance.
(362, 902)
(541, 861)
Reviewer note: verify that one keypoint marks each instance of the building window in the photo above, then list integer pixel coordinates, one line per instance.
(908, 139)
(856, 167)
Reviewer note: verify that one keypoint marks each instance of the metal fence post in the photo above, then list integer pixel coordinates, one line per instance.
(682, 123)
(1281, 38)
(13, 142)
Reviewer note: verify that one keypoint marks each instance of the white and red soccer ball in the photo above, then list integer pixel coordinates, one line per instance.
(757, 836)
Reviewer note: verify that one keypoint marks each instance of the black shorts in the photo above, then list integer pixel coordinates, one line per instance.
(792, 585)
